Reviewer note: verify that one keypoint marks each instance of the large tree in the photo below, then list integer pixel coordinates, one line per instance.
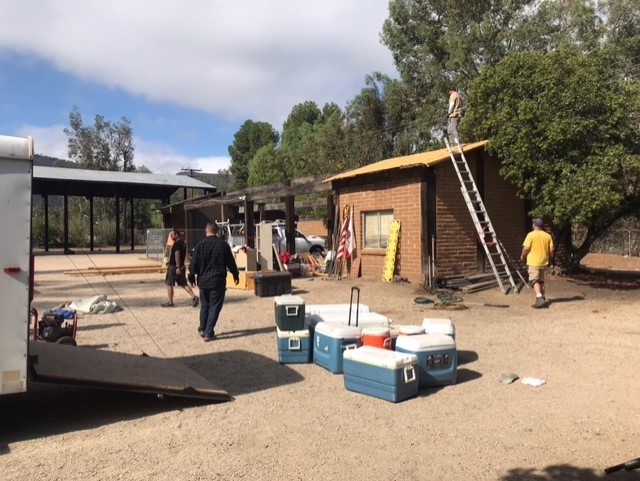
(437, 44)
(567, 127)
(246, 142)
(105, 145)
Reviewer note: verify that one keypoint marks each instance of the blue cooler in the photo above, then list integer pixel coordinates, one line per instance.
(389, 375)
(437, 325)
(329, 343)
(294, 347)
(437, 357)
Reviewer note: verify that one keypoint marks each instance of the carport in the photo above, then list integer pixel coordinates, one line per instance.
(64, 182)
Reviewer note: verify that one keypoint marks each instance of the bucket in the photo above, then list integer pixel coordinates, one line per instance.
(411, 330)
(377, 337)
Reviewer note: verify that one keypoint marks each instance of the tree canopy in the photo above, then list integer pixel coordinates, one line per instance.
(104, 146)
(565, 125)
(246, 142)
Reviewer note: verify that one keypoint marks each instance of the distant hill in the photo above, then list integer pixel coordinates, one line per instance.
(48, 161)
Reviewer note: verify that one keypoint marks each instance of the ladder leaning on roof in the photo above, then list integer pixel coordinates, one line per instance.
(486, 233)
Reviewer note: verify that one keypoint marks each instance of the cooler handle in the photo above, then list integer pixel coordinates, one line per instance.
(387, 343)
(295, 344)
(348, 347)
(291, 310)
(354, 289)
(409, 374)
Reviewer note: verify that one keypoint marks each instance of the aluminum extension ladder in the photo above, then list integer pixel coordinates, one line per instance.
(486, 233)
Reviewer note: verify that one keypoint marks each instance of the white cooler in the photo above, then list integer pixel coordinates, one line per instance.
(437, 325)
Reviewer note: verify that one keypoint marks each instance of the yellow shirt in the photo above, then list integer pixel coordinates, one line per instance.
(540, 244)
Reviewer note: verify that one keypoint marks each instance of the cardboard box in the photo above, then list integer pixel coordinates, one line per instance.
(246, 280)
(247, 260)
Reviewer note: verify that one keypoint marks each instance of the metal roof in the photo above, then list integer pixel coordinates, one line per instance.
(426, 159)
(101, 183)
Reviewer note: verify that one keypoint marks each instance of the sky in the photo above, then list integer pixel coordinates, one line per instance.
(186, 73)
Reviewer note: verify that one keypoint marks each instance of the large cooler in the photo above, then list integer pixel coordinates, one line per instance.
(388, 375)
(336, 308)
(438, 325)
(362, 320)
(330, 341)
(437, 357)
(290, 312)
(272, 283)
(294, 347)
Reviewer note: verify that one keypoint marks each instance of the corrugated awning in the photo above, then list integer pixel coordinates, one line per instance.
(425, 159)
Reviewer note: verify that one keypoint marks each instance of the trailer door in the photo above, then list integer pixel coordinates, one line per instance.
(16, 167)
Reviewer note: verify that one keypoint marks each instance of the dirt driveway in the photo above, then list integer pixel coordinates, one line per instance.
(295, 422)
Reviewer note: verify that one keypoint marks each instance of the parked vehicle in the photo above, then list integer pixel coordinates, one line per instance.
(312, 244)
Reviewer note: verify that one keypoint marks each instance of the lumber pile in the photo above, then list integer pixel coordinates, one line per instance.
(472, 283)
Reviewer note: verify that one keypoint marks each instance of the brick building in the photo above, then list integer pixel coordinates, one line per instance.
(422, 191)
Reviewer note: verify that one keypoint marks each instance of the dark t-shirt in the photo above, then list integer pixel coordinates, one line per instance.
(181, 247)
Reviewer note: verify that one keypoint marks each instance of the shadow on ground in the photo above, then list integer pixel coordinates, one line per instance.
(566, 472)
(606, 279)
(52, 409)
(242, 372)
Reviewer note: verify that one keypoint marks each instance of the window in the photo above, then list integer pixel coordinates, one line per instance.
(375, 228)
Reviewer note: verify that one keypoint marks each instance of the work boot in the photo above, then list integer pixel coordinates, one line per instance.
(540, 301)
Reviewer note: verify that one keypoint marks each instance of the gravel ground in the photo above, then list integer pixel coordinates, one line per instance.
(299, 422)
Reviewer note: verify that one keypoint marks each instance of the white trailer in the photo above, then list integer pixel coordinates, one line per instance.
(16, 161)
(23, 361)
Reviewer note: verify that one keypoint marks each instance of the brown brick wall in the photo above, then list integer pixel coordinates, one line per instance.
(456, 251)
(506, 210)
(456, 244)
(403, 197)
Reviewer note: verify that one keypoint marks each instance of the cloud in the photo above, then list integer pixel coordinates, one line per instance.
(238, 59)
(161, 158)
(51, 141)
(156, 156)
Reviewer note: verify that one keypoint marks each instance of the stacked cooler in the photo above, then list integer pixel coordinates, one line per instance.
(294, 339)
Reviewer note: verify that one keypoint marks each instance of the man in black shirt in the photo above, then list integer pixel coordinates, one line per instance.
(177, 270)
(210, 260)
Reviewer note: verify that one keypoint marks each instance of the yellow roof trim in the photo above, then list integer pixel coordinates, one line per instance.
(425, 159)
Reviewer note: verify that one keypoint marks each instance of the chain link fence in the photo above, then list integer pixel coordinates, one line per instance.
(624, 242)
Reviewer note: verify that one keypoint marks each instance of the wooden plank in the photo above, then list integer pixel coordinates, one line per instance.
(116, 270)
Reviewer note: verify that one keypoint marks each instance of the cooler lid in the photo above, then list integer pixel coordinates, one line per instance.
(376, 356)
(336, 308)
(411, 330)
(289, 300)
(376, 331)
(425, 342)
(364, 318)
(438, 325)
(289, 334)
(337, 330)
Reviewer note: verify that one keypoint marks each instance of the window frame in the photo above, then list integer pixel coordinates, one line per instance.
(382, 236)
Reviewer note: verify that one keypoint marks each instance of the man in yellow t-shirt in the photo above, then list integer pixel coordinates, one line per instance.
(537, 249)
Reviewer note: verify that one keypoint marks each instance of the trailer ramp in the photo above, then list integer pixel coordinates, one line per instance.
(78, 366)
